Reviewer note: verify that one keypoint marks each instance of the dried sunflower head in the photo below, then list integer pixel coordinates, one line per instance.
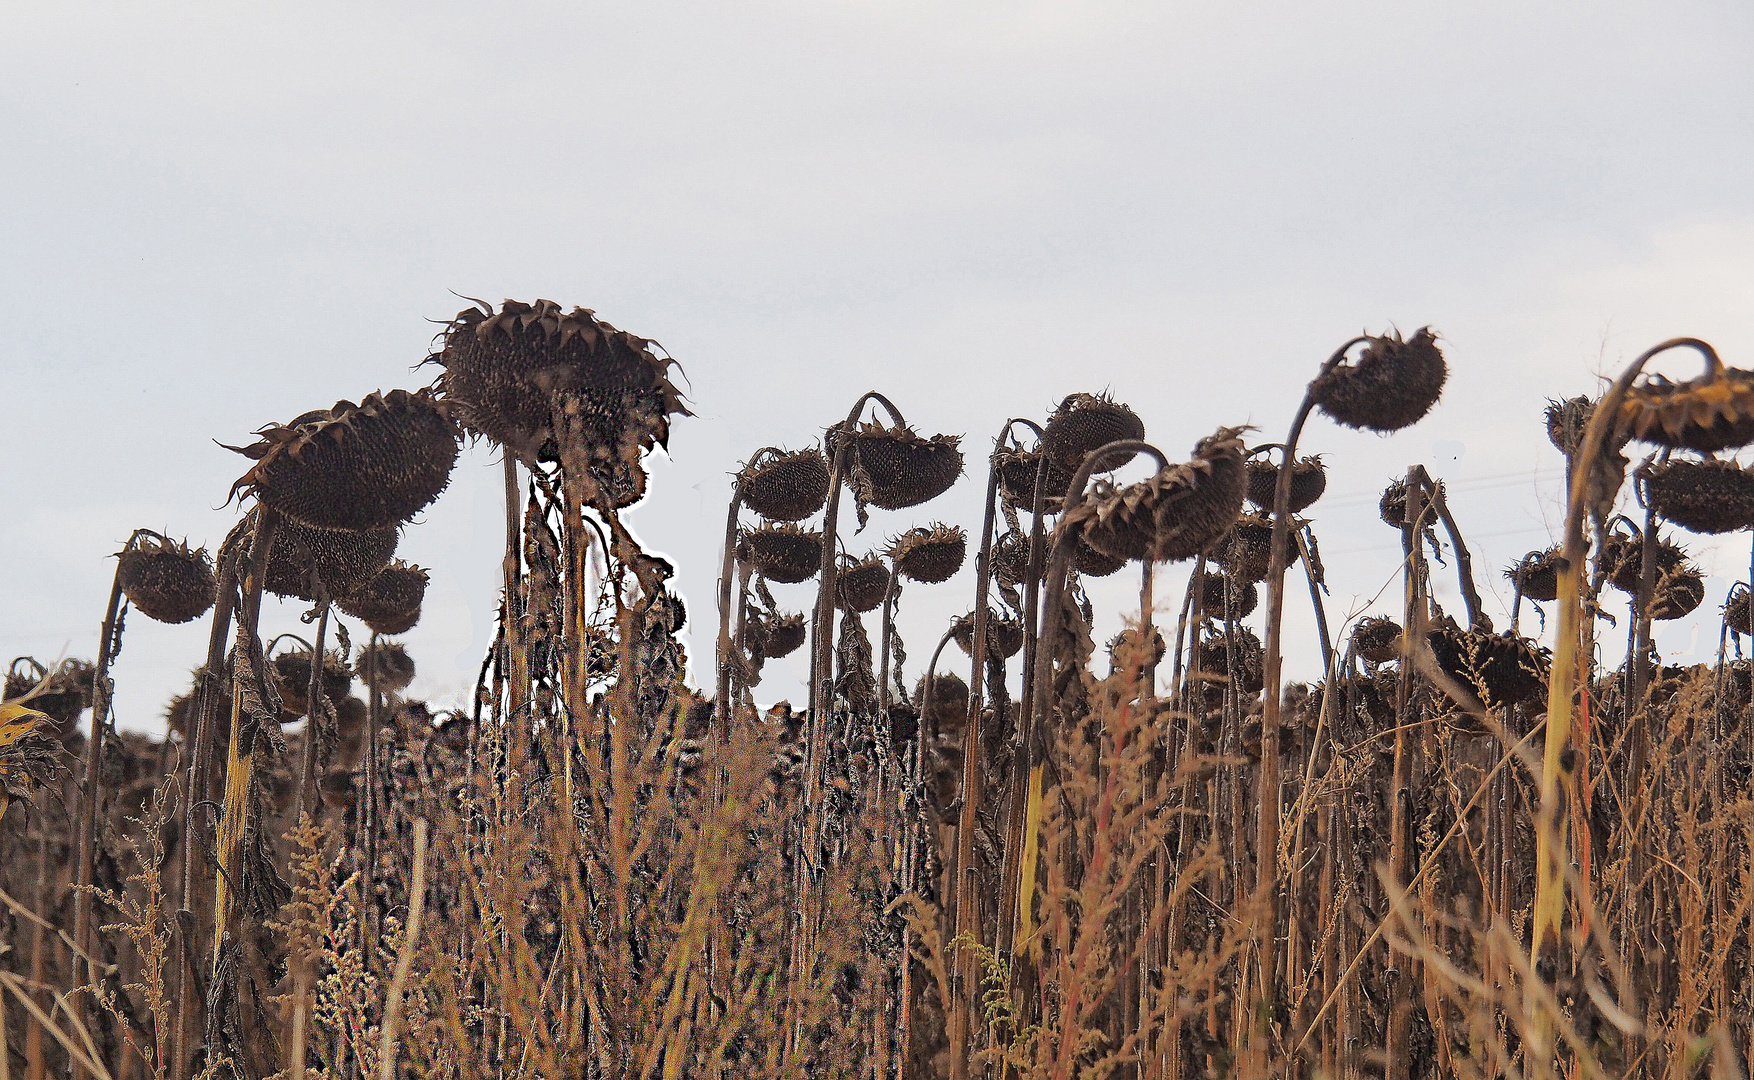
(1215, 660)
(61, 693)
(390, 602)
(1244, 596)
(506, 371)
(947, 712)
(861, 585)
(1503, 669)
(1736, 613)
(1537, 574)
(895, 467)
(1309, 479)
(1377, 639)
(1010, 558)
(930, 554)
(1245, 556)
(344, 561)
(1567, 421)
(1710, 413)
(1679, 587)
(165, 580)
(1017, 473)
(784, 486)
(291, 672)
(1004, 635)
(1391, 385)
(1086, 422)
(782, 553)
(1174, 515)
(1701, 496)
(364, 466)
(394, 667)
(1393, 504)
(776, 635)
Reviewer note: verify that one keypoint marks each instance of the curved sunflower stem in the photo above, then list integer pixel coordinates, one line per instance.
(1571, 651)
(109, 643)
(727, 567)
(1477, 619)
(1305, 548)
(1267, 840)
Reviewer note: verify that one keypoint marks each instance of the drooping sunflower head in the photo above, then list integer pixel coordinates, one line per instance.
(1392, 384)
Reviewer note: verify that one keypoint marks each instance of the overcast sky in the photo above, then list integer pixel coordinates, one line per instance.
(214, 216)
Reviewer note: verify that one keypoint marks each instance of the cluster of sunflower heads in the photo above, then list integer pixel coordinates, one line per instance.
(1175, 514)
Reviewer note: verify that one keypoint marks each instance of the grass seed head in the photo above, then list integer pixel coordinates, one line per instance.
(167, 581)
(364, 466)
(1391, 385)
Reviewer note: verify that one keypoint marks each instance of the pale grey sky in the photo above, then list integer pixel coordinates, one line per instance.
(220, 215)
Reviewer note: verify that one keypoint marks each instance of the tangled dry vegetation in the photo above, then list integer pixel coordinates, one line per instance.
(1458, 854)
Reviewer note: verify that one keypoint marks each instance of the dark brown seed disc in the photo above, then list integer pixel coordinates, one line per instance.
(1711, 413)
(862, 585)
(1085, 422)
(1174, 515)
(1503, 670)
(1017, 472)
(929, 555)
(506, 371)
(291, 671)
(1245, 556)
(344, 561)
(1377, 639)
(1537, 575)
(166, 581)
(1391, 385)
(783, 553)
(1567, 420)
(395, 668)
(1004, 635)
(895, 468)
(1309, 479)
(1244, 597)
(364, 466)
(785, 487)
(1701, 496)
(1677, 595)
(390, 602)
